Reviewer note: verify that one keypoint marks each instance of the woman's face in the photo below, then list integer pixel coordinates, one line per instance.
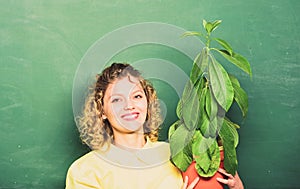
(125, 105)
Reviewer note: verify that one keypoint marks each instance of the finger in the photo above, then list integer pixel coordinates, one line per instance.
(223, 171)
(193, 184)
(185, 183)
(224, 181)
(229, 182)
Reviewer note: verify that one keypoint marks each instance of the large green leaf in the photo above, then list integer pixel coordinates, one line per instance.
(229, 137)
(240, 96)
(177, 137)
(190, 107)
(237, 60)
(200, 65)
(204, 125)
(214, 127)
(207, 155)
(183, 158)
(233, 129)
(179, 109)
(234, 80)
(180, 145)
(225, 45)
(189, 89)
(173, 127)
(211, 106)
(246, 65)
(220, 84)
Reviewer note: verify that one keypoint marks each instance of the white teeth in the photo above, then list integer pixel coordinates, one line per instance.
(131, 116)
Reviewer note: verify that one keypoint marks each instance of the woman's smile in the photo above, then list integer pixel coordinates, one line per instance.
(130, 116)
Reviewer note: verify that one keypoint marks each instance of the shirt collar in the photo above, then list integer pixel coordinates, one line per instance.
(152, 154)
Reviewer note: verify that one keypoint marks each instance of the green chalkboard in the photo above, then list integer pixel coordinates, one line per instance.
(43, 43)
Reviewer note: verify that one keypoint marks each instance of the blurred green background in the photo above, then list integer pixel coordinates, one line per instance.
(43, 42)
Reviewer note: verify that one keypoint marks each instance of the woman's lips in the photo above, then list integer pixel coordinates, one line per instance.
(130, 116)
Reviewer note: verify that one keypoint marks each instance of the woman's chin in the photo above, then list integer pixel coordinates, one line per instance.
(133, 127)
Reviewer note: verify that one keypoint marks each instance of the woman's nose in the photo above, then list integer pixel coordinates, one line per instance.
(129, 105)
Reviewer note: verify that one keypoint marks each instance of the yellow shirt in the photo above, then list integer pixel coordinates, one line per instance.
(146, 168)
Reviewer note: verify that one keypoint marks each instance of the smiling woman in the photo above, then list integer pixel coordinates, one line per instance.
(120, 123)
(117, 89)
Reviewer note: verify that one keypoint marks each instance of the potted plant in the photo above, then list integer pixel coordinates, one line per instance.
(204, 138)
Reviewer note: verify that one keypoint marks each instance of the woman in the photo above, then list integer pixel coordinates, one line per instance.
(120, 124)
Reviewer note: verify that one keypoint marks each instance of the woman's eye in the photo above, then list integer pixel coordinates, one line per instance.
(115, 100)
(138, 96)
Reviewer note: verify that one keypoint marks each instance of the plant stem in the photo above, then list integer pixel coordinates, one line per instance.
(208, 40)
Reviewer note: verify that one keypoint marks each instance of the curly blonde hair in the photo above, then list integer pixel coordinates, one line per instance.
(97, 132)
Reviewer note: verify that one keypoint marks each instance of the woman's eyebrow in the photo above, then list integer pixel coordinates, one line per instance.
(116, 94)
(138, 91)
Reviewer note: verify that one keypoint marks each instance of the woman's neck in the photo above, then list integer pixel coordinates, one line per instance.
(129, 141)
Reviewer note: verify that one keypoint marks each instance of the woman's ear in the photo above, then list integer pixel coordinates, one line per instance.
(104, 116)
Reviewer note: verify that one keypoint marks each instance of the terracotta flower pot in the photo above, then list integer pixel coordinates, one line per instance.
(205, 182)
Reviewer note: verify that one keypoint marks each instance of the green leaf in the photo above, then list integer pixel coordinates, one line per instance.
(237, 60)
(240, 96)
(215, 24)
(234, 80)
(206, 154)
(191, 33)
(190, 106)
(233, 125)
(214, 127)
(172, 128)
(182, 160)
(179, 138)
(208, 26)
(225, 45)
(244, 62)
(233, 129)
(211, 128)
(179, 109)
(229, 136)
(211, 105)
(204, 125)
(204, 23)
(185, 96)
(200, 65)
(180, 145)
(220, 84)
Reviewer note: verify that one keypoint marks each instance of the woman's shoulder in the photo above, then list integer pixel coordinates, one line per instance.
(85, 163)
(83, 160)
(86, 169)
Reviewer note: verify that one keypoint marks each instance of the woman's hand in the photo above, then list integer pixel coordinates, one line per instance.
(233, 182)
(192, 185)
